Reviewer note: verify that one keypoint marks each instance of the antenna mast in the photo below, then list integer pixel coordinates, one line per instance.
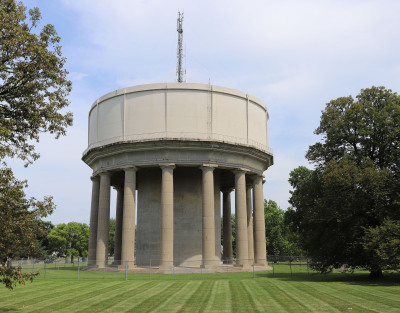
(180, 71)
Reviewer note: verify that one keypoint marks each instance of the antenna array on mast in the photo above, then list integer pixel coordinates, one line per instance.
(180, 70)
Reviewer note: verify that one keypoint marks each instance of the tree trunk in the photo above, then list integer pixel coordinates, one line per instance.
(375, 274)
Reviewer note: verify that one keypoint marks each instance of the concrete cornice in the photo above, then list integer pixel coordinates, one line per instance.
(180, 153)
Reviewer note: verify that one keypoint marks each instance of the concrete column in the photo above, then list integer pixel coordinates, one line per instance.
(260, 253)
(128, 222)
(208, 230)
(103, 220)
(242, 248)
(227, 224)
(167, 217)
(94, 213)
(249, 204)
(118, 225)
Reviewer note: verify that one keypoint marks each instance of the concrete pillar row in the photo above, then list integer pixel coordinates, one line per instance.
(118, 225)
(249, 204)
(242, 249)
(260, 253)
(128, 222)
(94, 213)
(103, 225)
(167, 217)
(208, 218)
(227, 226)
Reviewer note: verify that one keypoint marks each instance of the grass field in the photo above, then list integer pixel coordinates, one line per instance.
(238, 292)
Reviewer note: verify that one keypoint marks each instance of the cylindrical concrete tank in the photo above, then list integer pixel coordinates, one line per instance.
(189, 128)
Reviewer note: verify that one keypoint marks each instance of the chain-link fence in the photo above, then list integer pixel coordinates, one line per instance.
(81, 268)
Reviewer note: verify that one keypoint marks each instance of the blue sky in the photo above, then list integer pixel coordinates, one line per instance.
(294, 55)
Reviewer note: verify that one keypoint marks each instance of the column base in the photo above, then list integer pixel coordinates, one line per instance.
(166, 267)
(129, 267)
(243, 266)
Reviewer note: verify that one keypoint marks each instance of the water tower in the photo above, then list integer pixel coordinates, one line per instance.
(174, 152)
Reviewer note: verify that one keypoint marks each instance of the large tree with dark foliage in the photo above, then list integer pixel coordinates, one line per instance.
(33, 92)
(351, 198)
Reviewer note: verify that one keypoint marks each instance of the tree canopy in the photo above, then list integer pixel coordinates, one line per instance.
(33, 94)
(70, 239)
(18, 224)
(33, 82)
(279, 238)
(342, 204)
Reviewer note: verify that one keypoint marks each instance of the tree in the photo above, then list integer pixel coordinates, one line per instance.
(382, 244)
(70, 239)
(40, 246)
(341, 204)
(33, 86)
(18, 225)
(279, 239)
(33, 91)
(111, 237)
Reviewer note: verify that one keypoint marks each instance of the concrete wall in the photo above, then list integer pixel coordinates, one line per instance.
(180, 111)
(187, 216)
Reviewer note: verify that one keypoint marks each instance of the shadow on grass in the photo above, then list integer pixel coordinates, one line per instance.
(361, 278)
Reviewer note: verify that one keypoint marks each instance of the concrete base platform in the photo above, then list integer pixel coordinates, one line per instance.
(183, 269)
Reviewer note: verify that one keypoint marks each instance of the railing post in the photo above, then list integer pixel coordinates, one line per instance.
(79, 266)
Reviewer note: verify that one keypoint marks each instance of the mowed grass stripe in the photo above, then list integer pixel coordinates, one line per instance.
(93, 300)
(43, 294)
(261, 294)
(289, 300)
(338, 296)
(222, 297)
(76, 297)
(110, 300)
(240, 300)
(376, 295)
(307, 295)
(175, 302)
(23, 291)
(259, 307)
(360, 300)
(166, 290)
(133, 294)
(196, 302)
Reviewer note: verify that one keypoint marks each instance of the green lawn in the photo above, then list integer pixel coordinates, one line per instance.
(240, 292)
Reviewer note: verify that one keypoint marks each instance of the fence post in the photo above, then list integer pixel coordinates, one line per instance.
(126, 270)
(79, 267)
(290, 263)
(150, 270)
(308, 271)
(253, 271)
(58, 268)
(103, 271)
(44, 269)
(173, 270)
(227, 271)
(273, 269)
(201, 271)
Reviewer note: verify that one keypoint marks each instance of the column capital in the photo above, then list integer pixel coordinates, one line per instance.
(257, 178)
(228, 190)
(105, 173)
(167, 165)
(94, 178)
(130, 169)
(208, 166)
(240, 171)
